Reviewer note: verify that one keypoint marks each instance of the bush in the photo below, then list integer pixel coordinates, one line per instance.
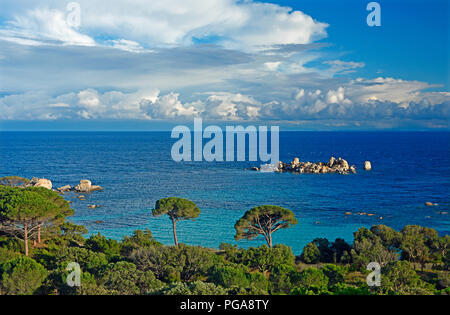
(21, 276)
(139, 239)
(400, 278)
(310, 254)
(335, 274)
(123, 278)
(100, 244)
(6, 255)
(345, 289)
(229, 276)
(89, 261)
(267, 259)
(312, 277)
(283, 280)
(193, 288)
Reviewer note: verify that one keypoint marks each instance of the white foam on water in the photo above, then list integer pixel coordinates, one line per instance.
(269, 168)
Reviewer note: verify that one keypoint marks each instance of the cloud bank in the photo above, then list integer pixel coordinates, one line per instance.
(222, 60)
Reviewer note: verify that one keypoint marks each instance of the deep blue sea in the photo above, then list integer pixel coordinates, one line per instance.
(136, 169)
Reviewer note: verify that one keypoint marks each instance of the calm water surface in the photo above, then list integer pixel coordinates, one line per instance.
(136, 169)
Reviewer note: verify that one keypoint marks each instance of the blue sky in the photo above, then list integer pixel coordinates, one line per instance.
(146, 65)
(412, 42)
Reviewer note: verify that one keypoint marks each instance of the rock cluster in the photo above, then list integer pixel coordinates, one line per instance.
(84, 186)
(40, 182)
(338, 166)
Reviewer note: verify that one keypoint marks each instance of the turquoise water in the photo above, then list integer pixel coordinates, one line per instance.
(136, 169)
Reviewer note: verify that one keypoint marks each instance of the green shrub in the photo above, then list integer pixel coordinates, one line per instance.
(21, 276)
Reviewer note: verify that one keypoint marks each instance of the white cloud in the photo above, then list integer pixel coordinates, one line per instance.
(341, 67)
(88, 98)
(229, 106)
(59, 105)
(138, 61)
(167, 107)
(272, 66)
(46, 25)
(392, 90)
(127, 45)
(336, 106)
(235, 24)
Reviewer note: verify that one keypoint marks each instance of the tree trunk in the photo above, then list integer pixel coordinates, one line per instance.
(25, 237)
(267, 238)
(270, 240)
(174, 225)
(39, 233)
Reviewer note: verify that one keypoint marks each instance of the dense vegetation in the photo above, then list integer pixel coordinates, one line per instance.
(414, 260)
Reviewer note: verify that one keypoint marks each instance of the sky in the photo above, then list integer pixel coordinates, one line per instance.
(150, 65)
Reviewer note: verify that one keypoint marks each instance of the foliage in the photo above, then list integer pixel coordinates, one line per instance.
(139, 239)
(230, 276)
(172, 264)
(6, 255)
(310, 254)
(27, 211)
(264, 220)
(368, 247)
(193, 288)
(335, 274)
(312, 277)
(124, 278)
(267, 259)
(177, 209)
(139, 264)
(21, 276)
(100, 244)
(400, 278)
(13, 181)
(418, 244)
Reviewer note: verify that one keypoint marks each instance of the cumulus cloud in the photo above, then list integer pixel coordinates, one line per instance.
(229, 106)
(160, 60)
(235, 24)
(394, 90)
(168, 107)
(340, 104)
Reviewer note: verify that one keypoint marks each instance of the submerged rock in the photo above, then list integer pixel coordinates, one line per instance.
(65, 188)
(96, 187)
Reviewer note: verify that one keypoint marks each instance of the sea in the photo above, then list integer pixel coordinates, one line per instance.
(136, 169)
